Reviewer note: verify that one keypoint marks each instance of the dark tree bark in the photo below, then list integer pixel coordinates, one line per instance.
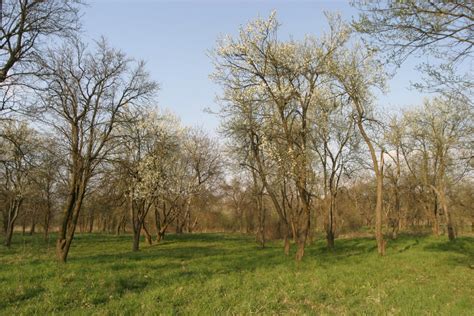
(13, 211)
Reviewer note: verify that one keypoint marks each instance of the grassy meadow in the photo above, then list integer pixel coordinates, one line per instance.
(228, 274)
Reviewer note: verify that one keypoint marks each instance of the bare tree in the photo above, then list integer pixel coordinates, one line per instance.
(84, 96)
(441, 29)
(46, 180)
(17, 155)
(205, 166)
(25, 25)
(393, 171)
(439, 134)
(334, 141)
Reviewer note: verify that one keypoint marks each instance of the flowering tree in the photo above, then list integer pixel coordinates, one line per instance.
(280, 81)
(436, 150)
(356, 72)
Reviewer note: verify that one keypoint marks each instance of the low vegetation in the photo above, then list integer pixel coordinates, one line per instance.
(227, 273)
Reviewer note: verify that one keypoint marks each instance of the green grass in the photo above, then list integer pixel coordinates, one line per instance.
(228, 274)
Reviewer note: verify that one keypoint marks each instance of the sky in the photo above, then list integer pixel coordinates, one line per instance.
(174, 38)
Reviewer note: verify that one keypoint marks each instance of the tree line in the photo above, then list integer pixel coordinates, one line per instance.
(307, 149)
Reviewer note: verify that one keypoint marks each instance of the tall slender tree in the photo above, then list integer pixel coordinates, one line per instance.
(84, 95)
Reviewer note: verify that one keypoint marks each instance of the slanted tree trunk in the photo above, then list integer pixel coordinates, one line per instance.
(147, 234)
(71, 217)
(13, 211)
(193, 226)
(162, 221)
(378, 170)
(160, 235)
(120, 225)
(138, 210)
(279, 207)
(5, 220)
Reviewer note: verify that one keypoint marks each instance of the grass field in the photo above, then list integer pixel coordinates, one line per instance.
(229, 274)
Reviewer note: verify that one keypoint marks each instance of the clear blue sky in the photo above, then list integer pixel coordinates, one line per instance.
(173, 37)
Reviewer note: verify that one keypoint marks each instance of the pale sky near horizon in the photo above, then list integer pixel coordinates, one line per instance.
(173, 37)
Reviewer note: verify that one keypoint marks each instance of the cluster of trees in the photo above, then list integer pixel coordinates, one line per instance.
(82, 146)
(300, 117)
(92, 123)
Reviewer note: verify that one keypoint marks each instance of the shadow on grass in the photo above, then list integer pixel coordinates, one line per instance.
(124, 285)
(21, 295)
(462, 246)
(233, 253)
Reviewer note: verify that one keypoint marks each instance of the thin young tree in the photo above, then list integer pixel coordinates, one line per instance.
(358, 72)
(18, 152)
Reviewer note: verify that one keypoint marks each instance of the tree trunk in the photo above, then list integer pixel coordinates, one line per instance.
(13, 212)
(160, 235)
(136, 239)
(136, 224)
(330, 239)
(378, 216)
(300, 245)
(47, 219)
(261, 227)
(287, 244)
(147, 234)
(241, 220)
(378, 170)
(91, 222)
(5, 221)
(447, 213)
(441, 193)
(303, 230)
(70, 219)
(23, 226)
(178, 226)
(436, 217)
(33, 226)
(8, 236)
(64, 242)
(121, 222)
(330, 228)
(187, 218)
